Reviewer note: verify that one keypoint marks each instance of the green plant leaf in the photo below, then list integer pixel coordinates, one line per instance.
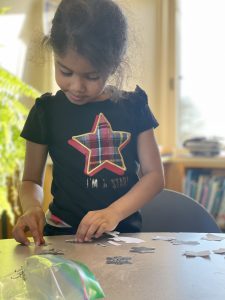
(4, 10)
(13, 114)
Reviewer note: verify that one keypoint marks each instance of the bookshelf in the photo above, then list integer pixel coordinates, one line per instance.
(202, 178)
(176, 166)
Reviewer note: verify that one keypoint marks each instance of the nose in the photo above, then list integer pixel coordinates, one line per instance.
(77, 84)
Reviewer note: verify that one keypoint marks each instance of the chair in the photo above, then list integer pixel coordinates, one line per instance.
(171, 211)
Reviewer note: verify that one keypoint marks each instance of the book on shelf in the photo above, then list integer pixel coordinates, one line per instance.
(208, 188)
(218, 199)
(214, 186)
(195, 180)
(200, 190)
(220, 218)
(205, 193)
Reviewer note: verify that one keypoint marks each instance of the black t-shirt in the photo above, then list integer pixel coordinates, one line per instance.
(93, 148)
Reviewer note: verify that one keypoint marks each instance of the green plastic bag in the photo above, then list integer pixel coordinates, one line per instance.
(50, 277)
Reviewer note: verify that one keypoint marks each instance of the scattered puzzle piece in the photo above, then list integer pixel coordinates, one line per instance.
(219, 251)
(205, 253)
(127, 240)
(142, 250)
(113, 243)
(179, 242)
(164, 238)
(101, 244)
(213, 237)
(51, 251)
(118, 260)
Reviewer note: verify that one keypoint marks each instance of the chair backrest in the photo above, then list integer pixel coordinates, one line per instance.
(171, 211)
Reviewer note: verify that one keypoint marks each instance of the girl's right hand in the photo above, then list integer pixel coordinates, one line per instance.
(32, 220)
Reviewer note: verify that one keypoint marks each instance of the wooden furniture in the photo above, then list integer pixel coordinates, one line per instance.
(13, 199)
(164, 274)
(176, 166)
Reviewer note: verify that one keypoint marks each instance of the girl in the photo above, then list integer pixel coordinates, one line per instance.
(96, 135)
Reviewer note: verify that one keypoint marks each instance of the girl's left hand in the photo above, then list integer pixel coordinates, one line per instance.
(95, 223)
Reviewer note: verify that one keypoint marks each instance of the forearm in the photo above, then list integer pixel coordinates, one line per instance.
(31, 195)
(142, 192)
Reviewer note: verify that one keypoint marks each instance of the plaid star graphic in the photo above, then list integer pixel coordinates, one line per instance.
(102, 147)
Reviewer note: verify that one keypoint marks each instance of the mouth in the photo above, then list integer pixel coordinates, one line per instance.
(75, 98)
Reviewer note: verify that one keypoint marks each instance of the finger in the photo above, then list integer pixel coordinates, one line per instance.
(41, 227)
(34, 230)
(19, 235)
(81, 232)
(84, 225)
(101, 230)
(91, 231)
(36, 236)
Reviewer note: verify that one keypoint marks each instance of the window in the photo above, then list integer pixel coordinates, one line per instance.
(12, 47)
(201, 68)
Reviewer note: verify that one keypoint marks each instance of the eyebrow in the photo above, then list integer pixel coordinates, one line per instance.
(85, 73)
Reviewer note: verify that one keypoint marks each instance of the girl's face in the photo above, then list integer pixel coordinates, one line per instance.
(77, 78)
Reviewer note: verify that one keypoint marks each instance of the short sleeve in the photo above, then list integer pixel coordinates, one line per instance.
(143, 115)
(35, 128)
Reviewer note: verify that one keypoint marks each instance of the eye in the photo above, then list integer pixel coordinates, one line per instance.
(66, 73)
(92, 77)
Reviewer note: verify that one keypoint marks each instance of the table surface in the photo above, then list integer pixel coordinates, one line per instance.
(165, 274)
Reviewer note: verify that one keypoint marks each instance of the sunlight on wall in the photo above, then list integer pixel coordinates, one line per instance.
(12, 48)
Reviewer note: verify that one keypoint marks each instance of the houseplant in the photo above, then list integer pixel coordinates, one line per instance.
(12, 117)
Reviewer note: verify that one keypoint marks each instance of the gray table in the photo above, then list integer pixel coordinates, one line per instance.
(163, 275)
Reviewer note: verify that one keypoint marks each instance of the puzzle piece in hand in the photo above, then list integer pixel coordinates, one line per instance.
(118, 260)
(142, 250)
(74, 241)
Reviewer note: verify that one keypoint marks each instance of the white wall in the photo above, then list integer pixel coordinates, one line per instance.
(142, 26)
(141, 16)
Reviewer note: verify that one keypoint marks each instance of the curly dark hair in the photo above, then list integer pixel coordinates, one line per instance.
(96, 29)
